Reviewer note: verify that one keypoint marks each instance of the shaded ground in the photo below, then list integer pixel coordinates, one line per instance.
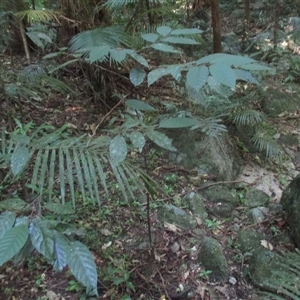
(117, 235)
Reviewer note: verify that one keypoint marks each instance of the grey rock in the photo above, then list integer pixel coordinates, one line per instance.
(256, 198)
(290, 201)
(261, 265)
(195, 204)
(248, 240)
(213, 259)
(174, 215)
(222, 199)
(221, 193)
(217, 157)
(258, 214)
(275, 208)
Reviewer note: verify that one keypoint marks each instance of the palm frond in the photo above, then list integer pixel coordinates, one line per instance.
(117, 4)
(112, 37)
(39, 16)
(264, 142)
(247, 117)
(32, 83)
(211, 126)
(284, 280)
(72, 164)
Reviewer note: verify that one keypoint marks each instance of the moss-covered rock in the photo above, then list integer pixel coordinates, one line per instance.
(256, 198)
(195, 204)
(290, 201)
(213, 259)
(248, 240)
(174, 215)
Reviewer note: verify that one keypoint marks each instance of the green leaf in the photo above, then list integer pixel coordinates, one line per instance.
(256, 67)
(137, 75)
(33, 36)
(228, 59)
(98, 53)
(165, 48)
(175, 71)
(177, 123)
(140, 59)
(150, 37)
(118, 149)
(118, 54)
(245, 76)
(163, 30)
(42, 238)
(156, 74)
(60, 209)
(7, 220)
(60, 248)
(12, 242)
(197, 77)
(179, 40)
(82, 265)
(138, 140)
(15, 204)
(186, 31)
(223, 73)
(19, 159)
(161, 140)
(139, 105)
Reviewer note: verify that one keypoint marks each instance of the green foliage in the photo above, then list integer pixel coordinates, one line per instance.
(284, 281)
(30, 84)
(58, 160)
(264, 142)
(20, 235)
(41, 35)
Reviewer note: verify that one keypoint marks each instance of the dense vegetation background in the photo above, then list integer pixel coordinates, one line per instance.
(89, 91)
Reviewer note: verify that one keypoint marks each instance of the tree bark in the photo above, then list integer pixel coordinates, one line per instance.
(276, 22)
(216, 25)
(246, 23)
(25, 42)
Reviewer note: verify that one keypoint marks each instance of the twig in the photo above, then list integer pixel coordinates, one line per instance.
(216, 183)
(103, 119)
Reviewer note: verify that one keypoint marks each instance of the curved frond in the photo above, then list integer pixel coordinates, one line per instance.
(247, 117)
(38, 16)
(116, 4)
(74, 164)
(111, 37)
(263, 142)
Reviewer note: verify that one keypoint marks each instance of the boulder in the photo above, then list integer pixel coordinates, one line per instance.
(290, 201)
(217, 157)
(213, 259)
(174, 215)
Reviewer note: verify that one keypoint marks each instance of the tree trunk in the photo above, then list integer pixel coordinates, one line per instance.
(216, 25)
(246, 23)
(276, 22)
(25, 42)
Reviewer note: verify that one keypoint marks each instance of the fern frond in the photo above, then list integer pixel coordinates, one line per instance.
(263, 142)
(211, 126)
(247, 117)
